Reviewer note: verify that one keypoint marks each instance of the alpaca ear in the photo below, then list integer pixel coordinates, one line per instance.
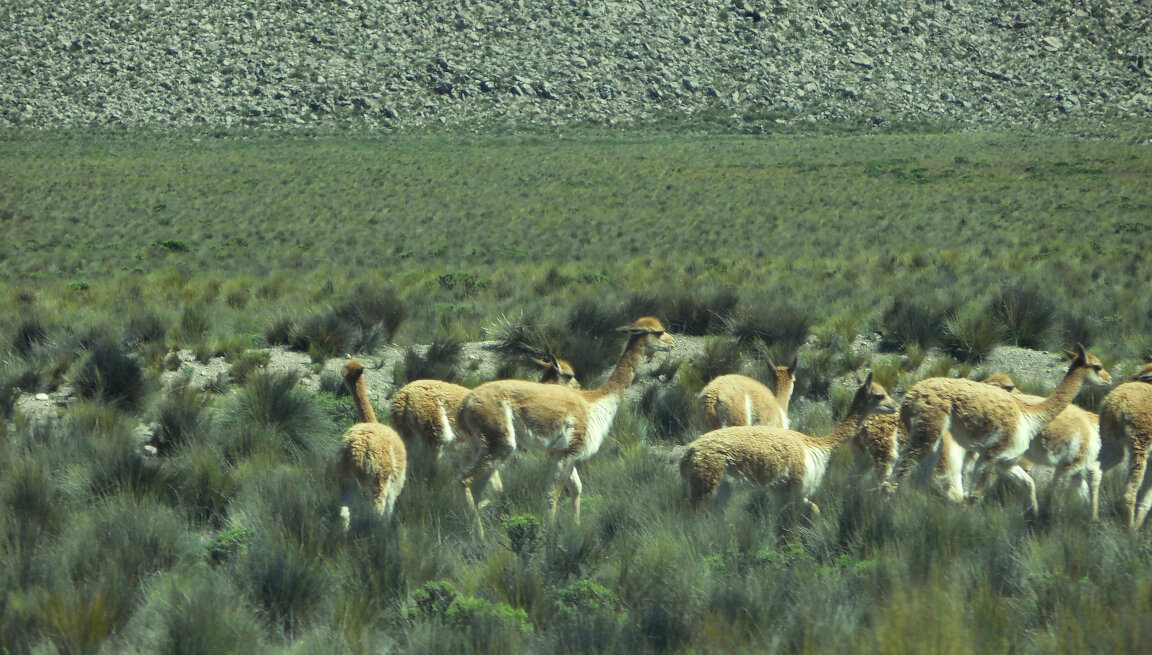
(632, 329)
(792, 366)
(867, 380)
(541, 363)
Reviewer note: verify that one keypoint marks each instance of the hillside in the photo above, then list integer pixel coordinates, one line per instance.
(749, 65)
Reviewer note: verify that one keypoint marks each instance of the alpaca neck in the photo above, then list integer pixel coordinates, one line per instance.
(360, 398)
(846, 430)
(1055, 403)
(784, 394)
(625, 370)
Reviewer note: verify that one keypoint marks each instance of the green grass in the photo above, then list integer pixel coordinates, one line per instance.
(229, 540)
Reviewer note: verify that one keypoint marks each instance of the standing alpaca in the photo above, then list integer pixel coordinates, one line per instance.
(785, 461)
(1126, 427)
(371, 455)
(986, 419)
(740, 400)
(424, 411)
(882, 436)
(568, 424)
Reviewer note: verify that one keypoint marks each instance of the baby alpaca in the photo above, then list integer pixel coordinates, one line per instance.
(740, 400)
(785, 461)
(371, 455)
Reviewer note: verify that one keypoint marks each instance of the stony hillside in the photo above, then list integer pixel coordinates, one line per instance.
(1076, 65)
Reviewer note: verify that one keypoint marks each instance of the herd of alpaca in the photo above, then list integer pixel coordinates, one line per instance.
(986, 430)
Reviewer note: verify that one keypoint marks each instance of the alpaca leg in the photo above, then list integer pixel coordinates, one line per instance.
(562, 471)
(983, 473)
(813, 508)
(574, 488)
(949, 471)
(347, 498)
(1094, 475)
(1017, 474)
(1144, 502)
(1135, 482)
(920, 442)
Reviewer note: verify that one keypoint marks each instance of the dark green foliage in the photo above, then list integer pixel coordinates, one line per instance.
(204, 616)
(145, 327)
(438, 362)
(283, 579)
(29, 334)
(910, 321)
(279, 332)
(672, 409)
(180, 418)
(523, 533)
(782, 326)
(111, 375)
(270, 413)
(971, 337)
(1027, 315)
(246, 364)
(721, 357)
(359, 325)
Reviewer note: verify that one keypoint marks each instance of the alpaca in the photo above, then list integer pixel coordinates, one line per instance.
(787, 462)
(740, 400)
(1126, 427)
(986, 419)
(568, 424)
(1069, 443)
(882, 436)
(424, 411)
(371, 454)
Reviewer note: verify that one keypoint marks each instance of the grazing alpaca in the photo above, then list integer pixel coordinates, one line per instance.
(787, 462)
(371, 455)
(986, 419)
(740, 400)
(568, 424)
(1126, 427)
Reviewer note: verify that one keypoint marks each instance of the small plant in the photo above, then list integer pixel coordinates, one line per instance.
(434, 598)
(721, 356)
(270, 411)
(29, 334)
(782, 326)
(972, 337)
(524, 532)
(248, 363)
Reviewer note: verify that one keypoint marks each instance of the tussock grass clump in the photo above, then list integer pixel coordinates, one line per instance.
(439, 361)
(269, 413)
(181, 418)
(971, 336)
(111, 375)
(673, 412)
(779, 325)
(30, 333)
(1028, 316)
(721, 357)
(912, 322)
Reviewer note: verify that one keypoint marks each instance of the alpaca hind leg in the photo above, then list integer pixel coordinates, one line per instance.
(574, 488)
(562, 471)
(921, 441)
(1131, 492)
(1017, 474)
(1094, 475)
(1143, 502)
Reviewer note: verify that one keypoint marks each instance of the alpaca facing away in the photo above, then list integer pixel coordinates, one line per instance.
(371, 456)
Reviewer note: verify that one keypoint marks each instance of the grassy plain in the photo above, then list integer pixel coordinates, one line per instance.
(118, 249)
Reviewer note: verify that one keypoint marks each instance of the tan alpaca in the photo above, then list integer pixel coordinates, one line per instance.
(1069, 443)
(568, 424)
(424, 413)
(740, 400)
(988, 420)
(371, 455)
(1126, 427)
(787, 462)
(882, 436)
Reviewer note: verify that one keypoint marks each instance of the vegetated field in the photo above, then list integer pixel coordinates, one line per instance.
(117, 249)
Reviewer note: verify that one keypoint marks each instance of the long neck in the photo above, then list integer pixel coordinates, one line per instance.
(1055, 403)
(360, 398)
(625, 370)
(784, 388)
(847, 428)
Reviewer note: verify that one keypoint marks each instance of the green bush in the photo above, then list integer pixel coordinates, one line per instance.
(110, 375)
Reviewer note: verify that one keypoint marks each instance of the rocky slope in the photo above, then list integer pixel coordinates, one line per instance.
(1076, 65)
